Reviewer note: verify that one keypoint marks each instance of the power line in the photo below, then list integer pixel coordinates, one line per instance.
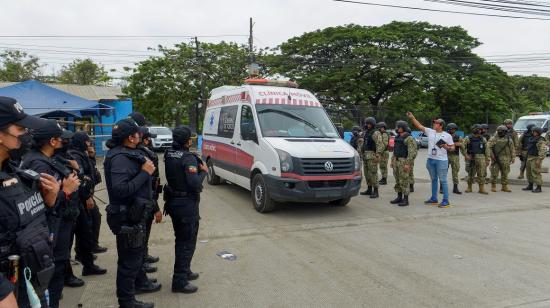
(526, 3)
(505, 8)
(441, 11)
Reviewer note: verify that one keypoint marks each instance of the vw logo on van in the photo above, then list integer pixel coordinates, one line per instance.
(329, 166)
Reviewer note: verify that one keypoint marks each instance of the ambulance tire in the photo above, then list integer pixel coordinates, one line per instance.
(340, 202)
(260, 195)
(211, 176)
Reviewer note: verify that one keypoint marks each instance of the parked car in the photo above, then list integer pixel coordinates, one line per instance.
(163, 140)
(422, 141)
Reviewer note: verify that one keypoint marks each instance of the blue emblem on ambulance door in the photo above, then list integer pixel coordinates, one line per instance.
(211, 119)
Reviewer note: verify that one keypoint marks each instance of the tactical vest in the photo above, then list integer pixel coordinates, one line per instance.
(525, 141)
(353, 141)
(86, 188)
(532, 149)
(456, 150)
(476, 145)
(400, 149)
(175, 174)
(369, 144)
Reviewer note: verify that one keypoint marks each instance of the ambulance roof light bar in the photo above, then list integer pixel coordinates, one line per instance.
(272, 83)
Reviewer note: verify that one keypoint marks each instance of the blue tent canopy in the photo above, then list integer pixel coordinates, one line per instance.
(41, 100)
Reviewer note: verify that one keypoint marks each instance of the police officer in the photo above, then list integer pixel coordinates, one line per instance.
(523, 147)
(46, 141)
(355, 136)
(454, 159)
(185, 173)
(95, 214)
(24, 196)
(371, 146)
(536, 152)
(128, 180)
(385, 156)
(502, 151)
(404, 152)
(477, 157)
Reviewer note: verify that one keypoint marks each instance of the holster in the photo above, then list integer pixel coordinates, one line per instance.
(134, 236)
(140, 210)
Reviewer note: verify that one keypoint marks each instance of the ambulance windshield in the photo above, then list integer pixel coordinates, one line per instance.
(295, 121)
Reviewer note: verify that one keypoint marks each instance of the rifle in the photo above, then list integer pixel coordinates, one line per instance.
(497, 160)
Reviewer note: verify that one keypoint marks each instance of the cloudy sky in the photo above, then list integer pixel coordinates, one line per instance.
(215, 20)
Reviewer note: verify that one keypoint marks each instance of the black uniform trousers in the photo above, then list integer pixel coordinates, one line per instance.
(186, 229)
(62, 249)
(95, 216)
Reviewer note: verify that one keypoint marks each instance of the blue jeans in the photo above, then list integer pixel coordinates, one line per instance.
(438, 171)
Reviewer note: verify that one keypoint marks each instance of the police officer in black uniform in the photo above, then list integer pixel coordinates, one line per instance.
(128, 179)
(95, 214)
(185, 173)
(355, 136)
(24, 197)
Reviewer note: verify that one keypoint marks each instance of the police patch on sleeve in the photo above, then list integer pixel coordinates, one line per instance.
(192, 169)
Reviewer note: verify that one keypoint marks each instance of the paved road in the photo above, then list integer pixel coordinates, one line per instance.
(486, 251)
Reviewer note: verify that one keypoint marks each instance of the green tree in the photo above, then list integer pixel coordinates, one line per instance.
(84, 72)
(533, 94)
(16, 66)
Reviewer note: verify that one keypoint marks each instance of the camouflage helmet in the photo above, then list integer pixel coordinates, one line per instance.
(508, 122)
(538, 130)
(371, 121)
(502, 129)
(476, 127)
(356, 129)
(401, 124)
(379, 125)
(451, 126)
(484, 126)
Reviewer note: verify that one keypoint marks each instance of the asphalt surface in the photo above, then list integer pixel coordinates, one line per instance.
(485, 251)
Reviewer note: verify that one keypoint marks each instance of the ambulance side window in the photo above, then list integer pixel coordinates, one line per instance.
(248, 129)
(226, 124)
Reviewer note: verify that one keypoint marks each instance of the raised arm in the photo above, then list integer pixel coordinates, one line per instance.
(415, 122)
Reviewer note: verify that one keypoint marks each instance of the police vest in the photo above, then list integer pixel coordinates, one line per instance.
(369, 144)
(175, 174)
(400, 149)
(353, 141)
(476, 145)
(532, 149)
(525, 141)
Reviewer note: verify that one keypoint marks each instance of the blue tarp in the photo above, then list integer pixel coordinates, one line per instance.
(41, 100)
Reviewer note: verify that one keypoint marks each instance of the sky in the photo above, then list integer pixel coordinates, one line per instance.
(275, 21)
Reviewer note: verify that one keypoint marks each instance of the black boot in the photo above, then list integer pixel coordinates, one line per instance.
(367, 192)
(187, 288)
(411, 188)
(405, 201)
(383, 181)
(374, 193)
(455, 190)
(398, 199)
(529, 187)
(538, 189)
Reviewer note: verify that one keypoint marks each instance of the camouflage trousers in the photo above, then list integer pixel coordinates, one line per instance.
(454, 164)
(503, 168)
(370, 170)
(402, 178)
(477, 169)
(411, 174)
(523, 159)
(383, 165)
(533, 172)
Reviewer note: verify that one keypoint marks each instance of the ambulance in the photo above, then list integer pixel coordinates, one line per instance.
(277, 141)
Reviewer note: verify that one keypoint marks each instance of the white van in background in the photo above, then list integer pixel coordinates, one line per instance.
(277, 141)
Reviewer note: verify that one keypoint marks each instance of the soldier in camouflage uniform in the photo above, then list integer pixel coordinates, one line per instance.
(512, 132)
(477, 158)
(536, 152)
(485, 134)
(502, 151)
(522, 149)
(454, 155)
(404, 152)
(384, 158)
(371, 146)
(411, 173)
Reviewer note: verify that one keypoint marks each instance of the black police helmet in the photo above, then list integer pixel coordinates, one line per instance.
(180, 136)
(379, 125)
(530, 127)
(451, 126)
(371, 121)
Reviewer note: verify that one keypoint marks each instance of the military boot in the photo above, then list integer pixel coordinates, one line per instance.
(374, 194)
(455, 190)
(521, 174)
(411, 188)
(482, 189)
(538, 189)
(469, 189)
(494, 187)
(505, 188)
(404, 201)
(367, 192)
(528, 187)
(383, 181)
(398, 199)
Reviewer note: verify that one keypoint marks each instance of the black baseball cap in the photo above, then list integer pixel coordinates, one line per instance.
(181, 134)
(146, 133)
(125, 128)
(11, 112)
(51, 129)
(138, 117)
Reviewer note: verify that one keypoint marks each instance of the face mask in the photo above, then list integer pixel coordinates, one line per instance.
(25, 140)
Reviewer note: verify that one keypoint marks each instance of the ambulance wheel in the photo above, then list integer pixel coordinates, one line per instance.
(260, 195)
(340, 202)
(211, 176)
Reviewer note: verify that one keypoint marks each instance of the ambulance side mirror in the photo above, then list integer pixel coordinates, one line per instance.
(248, 132)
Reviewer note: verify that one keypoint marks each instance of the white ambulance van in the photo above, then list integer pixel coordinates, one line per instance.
(278, 142)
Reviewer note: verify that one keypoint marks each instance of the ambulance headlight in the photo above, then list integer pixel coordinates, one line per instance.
(286, 161)
(357, 159)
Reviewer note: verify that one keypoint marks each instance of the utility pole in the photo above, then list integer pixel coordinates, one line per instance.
(200, 102)
(253, 67)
